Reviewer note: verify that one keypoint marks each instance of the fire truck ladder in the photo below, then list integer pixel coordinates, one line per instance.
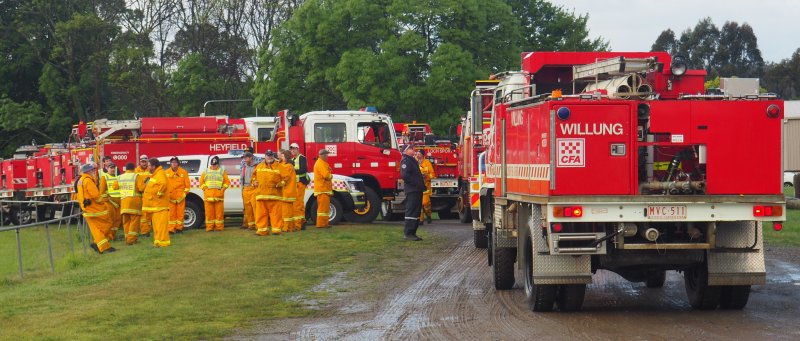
(613, 67)
(114, 126)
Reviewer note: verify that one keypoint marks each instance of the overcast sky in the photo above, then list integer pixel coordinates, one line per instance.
(635, 25)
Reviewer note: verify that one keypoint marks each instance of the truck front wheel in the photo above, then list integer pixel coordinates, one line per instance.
(369, 212)
(193, 215)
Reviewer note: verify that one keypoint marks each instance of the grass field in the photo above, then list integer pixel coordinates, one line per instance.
(204, 286)
(790, 235)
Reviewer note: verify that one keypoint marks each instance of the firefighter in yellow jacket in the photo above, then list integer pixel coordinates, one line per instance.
(302, 179)
(178, 179)
(155, 204)
(428, 173)
(289, 192)
(214, 181)
(143, 170)
(323, 188)
(111, 197)
(94, 211)
(268, 196)
(130, 186)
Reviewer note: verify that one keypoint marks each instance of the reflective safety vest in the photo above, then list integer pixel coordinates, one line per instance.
(301, 177)
(127, 185)
(114, 193)
(214, 178)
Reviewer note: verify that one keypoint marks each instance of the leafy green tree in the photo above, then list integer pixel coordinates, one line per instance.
(548, 27)
(192, 82)
(738, 53)
(666, 42)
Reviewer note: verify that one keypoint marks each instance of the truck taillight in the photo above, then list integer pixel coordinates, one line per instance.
(568, 211)
(557, 228)
(767, 211)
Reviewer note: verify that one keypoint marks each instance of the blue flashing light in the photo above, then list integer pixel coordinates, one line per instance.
(563, 113)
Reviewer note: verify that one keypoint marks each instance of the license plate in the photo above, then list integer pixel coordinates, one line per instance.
(444, 183)
(667, 212)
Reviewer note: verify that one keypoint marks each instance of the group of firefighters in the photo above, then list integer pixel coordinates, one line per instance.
(148, 198)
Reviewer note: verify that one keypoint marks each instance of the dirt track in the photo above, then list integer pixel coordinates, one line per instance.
(454, 299)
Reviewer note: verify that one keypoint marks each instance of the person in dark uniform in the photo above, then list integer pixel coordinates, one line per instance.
(413, 186)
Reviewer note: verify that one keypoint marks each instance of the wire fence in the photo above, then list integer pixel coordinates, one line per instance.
(27, 215)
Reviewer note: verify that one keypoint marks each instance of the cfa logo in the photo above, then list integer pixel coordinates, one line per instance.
(571, 153)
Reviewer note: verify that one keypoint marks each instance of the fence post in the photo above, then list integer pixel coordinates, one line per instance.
(83, 234)
(69, 232)
(19, 254)
(49, 247)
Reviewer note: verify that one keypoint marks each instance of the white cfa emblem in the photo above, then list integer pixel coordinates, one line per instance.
(571, 153)
(403, 166)
(331, 148)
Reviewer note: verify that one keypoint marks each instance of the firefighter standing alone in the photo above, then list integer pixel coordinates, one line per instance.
(178, 179)
(413, 186)
(214, 181)
(323, 188)
(301, 169)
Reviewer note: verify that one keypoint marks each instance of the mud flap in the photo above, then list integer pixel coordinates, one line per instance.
(550, 269)
(739, 259)
(504, 234)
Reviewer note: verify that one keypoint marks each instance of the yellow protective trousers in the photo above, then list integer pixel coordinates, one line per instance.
(114, 213)
(287, 216)
(268, 217)
(248, 201)
(215, 215)
(160, 221)
(130, 224)
(426, 206)
(176, 212)
(323, 209)
(100, 227)
(299, 207)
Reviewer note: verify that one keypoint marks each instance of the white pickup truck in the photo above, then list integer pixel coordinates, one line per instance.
(348, 193)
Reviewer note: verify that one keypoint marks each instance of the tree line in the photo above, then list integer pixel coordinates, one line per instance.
(732, 51)
(80, 60)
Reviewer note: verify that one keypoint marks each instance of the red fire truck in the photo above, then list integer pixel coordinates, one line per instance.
(443, 156)
(361, 144)
(619, 161)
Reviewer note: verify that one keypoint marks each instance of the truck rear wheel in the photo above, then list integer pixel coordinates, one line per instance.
(701, 295)
(570, 297)
(503, 267)
(734, 297)
(540, 297)
(369, 212)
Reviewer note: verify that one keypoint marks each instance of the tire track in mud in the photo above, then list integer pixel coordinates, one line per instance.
(412, 311)
(455, 299)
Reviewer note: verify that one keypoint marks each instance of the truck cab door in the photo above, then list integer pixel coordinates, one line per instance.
(333, 136)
